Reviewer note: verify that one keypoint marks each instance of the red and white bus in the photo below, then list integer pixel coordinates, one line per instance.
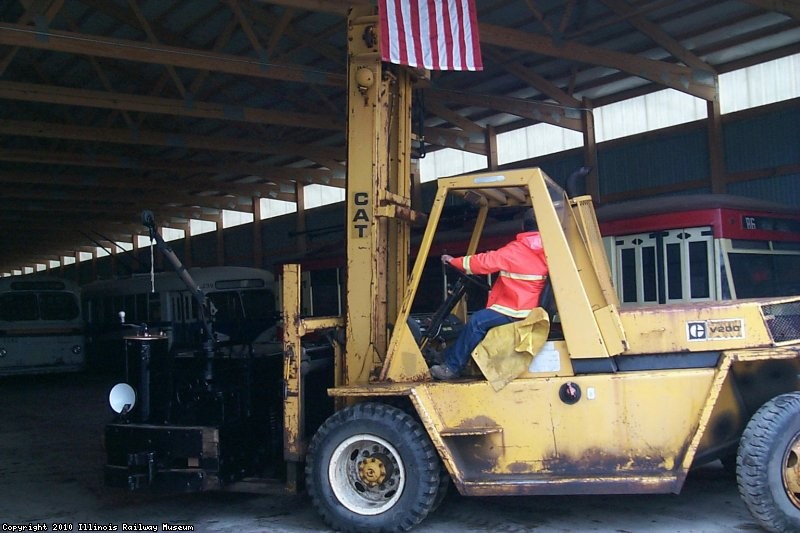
(701, 248)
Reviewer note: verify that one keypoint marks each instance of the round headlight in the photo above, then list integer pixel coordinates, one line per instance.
(122, 398)
(77, 349)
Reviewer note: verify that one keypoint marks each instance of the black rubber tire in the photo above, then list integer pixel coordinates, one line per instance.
(765, 450)
(355, 432)
(444, 489)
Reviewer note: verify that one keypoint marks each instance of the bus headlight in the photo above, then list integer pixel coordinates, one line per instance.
(77, 349)
(3, 352)
(122, 398)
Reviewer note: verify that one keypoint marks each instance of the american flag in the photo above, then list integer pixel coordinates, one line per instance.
(431, 34)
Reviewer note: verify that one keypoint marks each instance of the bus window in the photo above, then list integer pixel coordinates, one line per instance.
(258, 304)
(673, 266)
(688, 264)
(637, 275)
(18, 306)
(227, 304)
(699, 270)
(757, 275)
(58, 306)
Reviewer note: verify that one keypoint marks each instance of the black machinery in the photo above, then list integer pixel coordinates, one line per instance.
(203, 419)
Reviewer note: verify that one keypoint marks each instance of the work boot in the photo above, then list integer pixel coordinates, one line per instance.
(443, 373)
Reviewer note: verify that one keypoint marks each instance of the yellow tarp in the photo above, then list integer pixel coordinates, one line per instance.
(507, 351)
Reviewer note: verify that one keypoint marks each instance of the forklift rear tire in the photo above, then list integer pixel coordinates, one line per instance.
(372, 467)
(768, 464)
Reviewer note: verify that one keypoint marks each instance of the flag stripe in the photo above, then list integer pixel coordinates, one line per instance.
(434, 34)
(416, 32)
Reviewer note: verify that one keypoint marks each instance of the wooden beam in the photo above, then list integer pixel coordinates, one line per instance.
(319, 42)
(258, 228)
(146, 193)
(320, 176)
(338, 7)
(658, 35)
(536, 81)
(440, 110)
(456, 139)
(31, 12)
(790, 8)
(557, 115)
(81, 208)
(590, 151)
(191, 191)
(716, 155)
(30, 92)
(145, 26)
(491, 149)
(100, 46)
(156, 138)
(679, 77)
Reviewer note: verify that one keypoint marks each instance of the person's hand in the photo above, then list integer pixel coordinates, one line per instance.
(446, 258)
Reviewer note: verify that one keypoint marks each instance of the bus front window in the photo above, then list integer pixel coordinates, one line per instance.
(258, 304)
(18, 306)
(765, 275)
(58, 306)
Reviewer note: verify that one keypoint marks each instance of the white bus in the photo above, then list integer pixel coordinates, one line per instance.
(243, 297)
(41, 328)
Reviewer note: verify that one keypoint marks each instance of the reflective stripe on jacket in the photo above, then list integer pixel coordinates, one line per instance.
(523, 271)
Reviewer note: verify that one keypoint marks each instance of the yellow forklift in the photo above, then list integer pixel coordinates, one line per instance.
(582, 398)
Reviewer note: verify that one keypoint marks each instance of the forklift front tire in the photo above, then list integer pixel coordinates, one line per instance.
(768, 464)
(372, 467)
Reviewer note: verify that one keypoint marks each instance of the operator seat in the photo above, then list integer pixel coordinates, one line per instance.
(547, 301)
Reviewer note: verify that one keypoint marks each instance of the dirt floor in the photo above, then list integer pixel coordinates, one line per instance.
(51, 461)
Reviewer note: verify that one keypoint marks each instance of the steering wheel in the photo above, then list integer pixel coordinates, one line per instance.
(476, 281)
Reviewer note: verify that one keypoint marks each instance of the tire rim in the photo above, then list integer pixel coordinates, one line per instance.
(366, 474)
(791, 471)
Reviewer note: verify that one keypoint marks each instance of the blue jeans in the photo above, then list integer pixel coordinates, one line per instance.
(457, 354)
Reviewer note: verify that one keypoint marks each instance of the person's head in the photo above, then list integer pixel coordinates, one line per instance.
(529, 221)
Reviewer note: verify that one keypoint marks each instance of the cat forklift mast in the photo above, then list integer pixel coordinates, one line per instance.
(613, 400)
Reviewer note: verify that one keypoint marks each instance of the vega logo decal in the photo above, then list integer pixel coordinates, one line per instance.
(715, 330)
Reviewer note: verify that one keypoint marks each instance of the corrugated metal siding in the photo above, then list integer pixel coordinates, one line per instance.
(239, 245)
(652, 162)
(764, 141)
(204, 249)
(782, 189)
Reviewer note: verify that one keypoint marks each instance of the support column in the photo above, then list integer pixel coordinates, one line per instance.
(258, 227)
(220, 240)
(77, 267)
(112, 259)
(716, 155)
(491, 148)
(187, 245)
(301, 237)
(590, 151)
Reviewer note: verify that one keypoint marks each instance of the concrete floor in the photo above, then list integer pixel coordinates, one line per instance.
(51, 460)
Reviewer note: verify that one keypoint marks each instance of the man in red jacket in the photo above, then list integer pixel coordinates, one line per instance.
(523, 271)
